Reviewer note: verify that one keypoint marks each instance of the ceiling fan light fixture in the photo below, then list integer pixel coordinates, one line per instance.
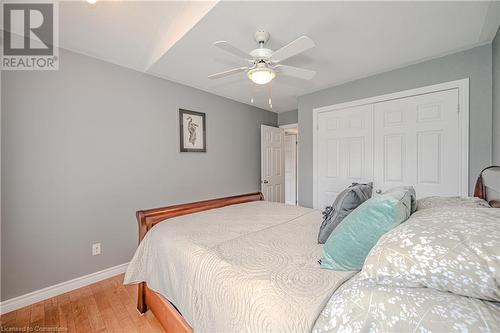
(261, 75)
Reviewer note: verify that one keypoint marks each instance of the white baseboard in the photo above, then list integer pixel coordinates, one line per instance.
(60, 288)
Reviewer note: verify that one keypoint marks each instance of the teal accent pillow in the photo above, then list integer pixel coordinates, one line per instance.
(349, 244)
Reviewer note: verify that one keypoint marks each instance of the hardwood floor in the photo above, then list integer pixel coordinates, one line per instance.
(106, 306)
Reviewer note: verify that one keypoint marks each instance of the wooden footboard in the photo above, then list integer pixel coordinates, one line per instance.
(168, 315)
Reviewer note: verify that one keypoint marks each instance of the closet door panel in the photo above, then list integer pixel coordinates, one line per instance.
(345, 150)
(416, 143)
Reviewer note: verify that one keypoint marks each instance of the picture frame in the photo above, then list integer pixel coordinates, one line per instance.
(192, 131)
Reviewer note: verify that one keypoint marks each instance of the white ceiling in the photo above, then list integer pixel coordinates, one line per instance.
(174, 40)
(133, 34)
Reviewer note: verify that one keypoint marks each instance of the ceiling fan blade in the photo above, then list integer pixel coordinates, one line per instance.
(223, 45)
(227, 73)
(300, 73)
(299, 45)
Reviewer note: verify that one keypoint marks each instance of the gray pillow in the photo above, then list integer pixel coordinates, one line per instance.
(344, 204)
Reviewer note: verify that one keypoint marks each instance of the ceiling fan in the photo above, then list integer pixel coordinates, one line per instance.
(263, 63)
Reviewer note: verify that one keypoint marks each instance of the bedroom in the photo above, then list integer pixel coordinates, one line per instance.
(100, 128)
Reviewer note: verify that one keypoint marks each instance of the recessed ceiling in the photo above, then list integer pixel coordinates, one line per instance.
(174, 40)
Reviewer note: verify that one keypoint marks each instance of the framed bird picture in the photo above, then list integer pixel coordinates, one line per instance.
(192, 131)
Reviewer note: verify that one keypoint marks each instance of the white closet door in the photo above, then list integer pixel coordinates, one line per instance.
(273, 163)
(345, 151)
(291, 169)
(416, 143)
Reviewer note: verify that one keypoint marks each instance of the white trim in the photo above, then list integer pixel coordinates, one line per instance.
(463, 136)
(463, 100)
(294, 125)
(285, 127)
(60, 288)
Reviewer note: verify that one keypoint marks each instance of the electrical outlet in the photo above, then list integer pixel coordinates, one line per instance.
(96, 249)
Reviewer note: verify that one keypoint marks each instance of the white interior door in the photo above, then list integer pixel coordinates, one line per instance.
(345, 151)
(417, 143)
(291, 169)
(273, 163)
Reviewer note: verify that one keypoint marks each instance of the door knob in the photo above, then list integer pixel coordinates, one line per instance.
(378, 191)
(265, 182)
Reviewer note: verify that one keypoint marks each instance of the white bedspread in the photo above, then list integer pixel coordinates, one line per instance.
(244, 268)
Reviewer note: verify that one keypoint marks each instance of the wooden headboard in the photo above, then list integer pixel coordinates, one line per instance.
(148, 218)
(491, 181)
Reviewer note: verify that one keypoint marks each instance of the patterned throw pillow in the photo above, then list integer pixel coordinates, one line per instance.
(350, 243)
(348, 200)
(448, 248)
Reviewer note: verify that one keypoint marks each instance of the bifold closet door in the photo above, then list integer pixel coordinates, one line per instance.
(345, 151)
(416, 142)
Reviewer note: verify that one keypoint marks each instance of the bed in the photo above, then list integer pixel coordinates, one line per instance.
(251, 266)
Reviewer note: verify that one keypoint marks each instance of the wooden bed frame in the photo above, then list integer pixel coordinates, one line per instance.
(166, 313)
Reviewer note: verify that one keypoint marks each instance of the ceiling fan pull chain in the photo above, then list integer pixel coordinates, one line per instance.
(253, 93)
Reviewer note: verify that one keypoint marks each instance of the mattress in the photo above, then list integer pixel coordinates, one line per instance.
(249, 267)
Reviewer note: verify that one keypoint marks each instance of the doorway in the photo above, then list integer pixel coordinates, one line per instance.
(291, 163)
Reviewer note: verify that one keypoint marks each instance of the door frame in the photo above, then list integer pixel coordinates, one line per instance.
(285, 127)
(463, 121)
(294, 126)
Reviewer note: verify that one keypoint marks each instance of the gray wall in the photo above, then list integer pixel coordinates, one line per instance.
(496, 99)
(84, 147)
(286, 118)
(475, 63)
